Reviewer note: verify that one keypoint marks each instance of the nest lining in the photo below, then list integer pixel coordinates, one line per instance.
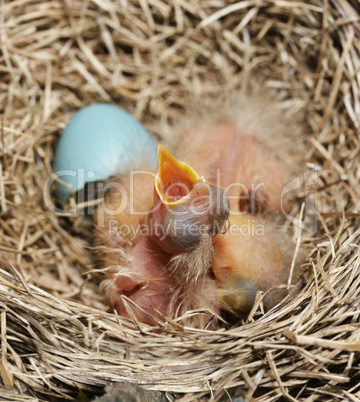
(148, 57)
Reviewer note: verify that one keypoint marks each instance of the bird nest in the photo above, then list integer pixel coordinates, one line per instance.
(57, 339)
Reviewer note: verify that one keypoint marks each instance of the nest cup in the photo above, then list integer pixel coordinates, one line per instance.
(149, 57)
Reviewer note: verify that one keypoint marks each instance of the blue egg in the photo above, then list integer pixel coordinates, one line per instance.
(101, 140)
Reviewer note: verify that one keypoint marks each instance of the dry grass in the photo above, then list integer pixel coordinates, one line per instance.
(149, 57)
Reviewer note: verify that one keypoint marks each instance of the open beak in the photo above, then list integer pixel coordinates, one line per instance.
(186, 206)
(174, 179)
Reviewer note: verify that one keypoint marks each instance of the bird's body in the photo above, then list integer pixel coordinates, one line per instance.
(179, 271)
(144, 260)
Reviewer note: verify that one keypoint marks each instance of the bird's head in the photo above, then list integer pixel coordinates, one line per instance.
(186, 206)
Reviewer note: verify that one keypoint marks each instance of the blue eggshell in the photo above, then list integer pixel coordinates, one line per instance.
(101, 140)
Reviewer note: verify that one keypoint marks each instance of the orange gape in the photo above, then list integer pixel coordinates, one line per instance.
(176, 255)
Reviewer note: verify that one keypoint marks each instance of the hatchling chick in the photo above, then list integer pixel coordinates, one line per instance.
(204, 231)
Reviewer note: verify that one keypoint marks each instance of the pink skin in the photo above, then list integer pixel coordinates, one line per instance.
(150, 287)
(237, 158)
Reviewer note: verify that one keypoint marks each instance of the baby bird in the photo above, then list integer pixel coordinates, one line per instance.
(159, 252)
(200, 232)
